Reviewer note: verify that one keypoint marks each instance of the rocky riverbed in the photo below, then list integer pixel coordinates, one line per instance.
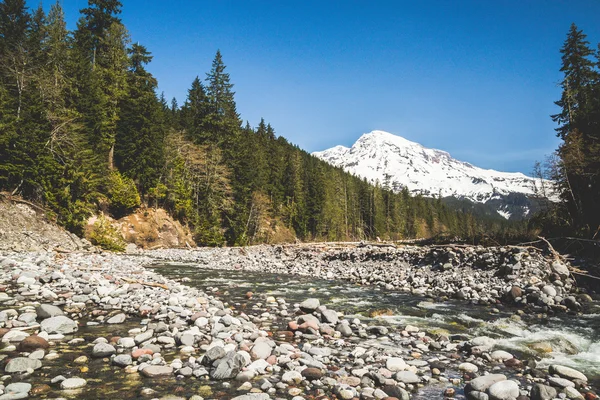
(91, 326)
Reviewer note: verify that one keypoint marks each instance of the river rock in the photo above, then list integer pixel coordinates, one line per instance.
(504, 390)
(253, 396)
(122, 360)
(543, 392)
(573, 394)
(567, 373)
(103, 350)
(18, 390)
(329, 317)
(155, 371)
(549, 290)
(144, 336)
(22, 364)
(310, 305)
(482, 383)
(229, 366)
(468, 367)
(396, 392)
(395, 364)
(32, 343)
(73, 383)
(501, 355)
(407, 377)
(292, 377)
(59, 324)
(560, 382)
(44, 311)
(312, 374)
(260, 350)
(117, 319)
(561, 269)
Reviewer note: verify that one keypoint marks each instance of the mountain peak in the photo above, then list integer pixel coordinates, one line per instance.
(398, 163)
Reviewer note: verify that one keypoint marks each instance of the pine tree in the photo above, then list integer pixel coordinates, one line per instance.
(139, 148)
(14, 57)
(223, 122)
(101, 66)
(578, 178)
(195, 112)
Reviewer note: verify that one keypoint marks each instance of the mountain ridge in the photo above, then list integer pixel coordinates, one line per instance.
(396, 163)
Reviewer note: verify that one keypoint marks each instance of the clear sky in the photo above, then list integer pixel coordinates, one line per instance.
(475, 78)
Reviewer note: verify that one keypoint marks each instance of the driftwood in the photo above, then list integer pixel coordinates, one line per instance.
(365, 244)
(10, 197)
(557, 256)
(151, 284)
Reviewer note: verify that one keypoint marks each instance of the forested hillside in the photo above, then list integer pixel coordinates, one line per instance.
(575, 165)
(82, 130)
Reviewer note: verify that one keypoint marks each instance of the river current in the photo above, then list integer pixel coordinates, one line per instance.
(571, 340)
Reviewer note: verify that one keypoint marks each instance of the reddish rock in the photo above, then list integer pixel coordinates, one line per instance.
(272, 360)
(591, 396)
(285, 335)
(114, 339)
(39, 390)
(32, 343)
(312, 374)
(249, 295)
(3, 331)
(515, 292)
(137, 353)
(309, 324)
(293, 325)
(513, 363)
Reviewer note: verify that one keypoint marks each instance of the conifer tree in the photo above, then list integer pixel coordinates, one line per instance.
(223, 121)
(578, 177)
(139, 147)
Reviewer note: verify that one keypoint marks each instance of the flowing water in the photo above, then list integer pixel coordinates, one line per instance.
(569, 340)
(566, 339)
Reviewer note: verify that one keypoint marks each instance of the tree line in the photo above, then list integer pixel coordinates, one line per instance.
(83, 131)
(575, 165)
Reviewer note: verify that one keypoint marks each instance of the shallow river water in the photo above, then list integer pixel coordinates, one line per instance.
(573, 340)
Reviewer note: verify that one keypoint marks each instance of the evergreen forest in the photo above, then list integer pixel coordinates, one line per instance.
(83, 131)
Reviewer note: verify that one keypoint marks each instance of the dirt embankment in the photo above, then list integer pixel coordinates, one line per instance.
(150, 228)
(25, 227)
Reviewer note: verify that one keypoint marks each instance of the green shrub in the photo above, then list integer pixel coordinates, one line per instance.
(105, 236)
(123, 195)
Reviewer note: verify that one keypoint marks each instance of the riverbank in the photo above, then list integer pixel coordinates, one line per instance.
(480, 275)
(93, 325)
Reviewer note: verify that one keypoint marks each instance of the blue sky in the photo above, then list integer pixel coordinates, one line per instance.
(475, 78)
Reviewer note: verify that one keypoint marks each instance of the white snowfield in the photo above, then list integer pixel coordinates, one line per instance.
(395, 162)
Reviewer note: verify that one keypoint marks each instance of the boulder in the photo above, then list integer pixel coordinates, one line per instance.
(22, 364)
(103, 350)
(543, 392)
(567, 373)
(155, 371)
(44, 311)
(32, 343)
(504, 390)
(482, 383)
(310, 305)
(73, 383)
(59, 324)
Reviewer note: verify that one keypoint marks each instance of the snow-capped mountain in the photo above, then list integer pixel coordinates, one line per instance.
(396, 163)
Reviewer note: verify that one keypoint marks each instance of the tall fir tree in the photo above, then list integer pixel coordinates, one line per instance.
(578, 174)
(139, 149)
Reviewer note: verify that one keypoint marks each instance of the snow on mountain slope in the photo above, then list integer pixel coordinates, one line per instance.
(396, 162)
